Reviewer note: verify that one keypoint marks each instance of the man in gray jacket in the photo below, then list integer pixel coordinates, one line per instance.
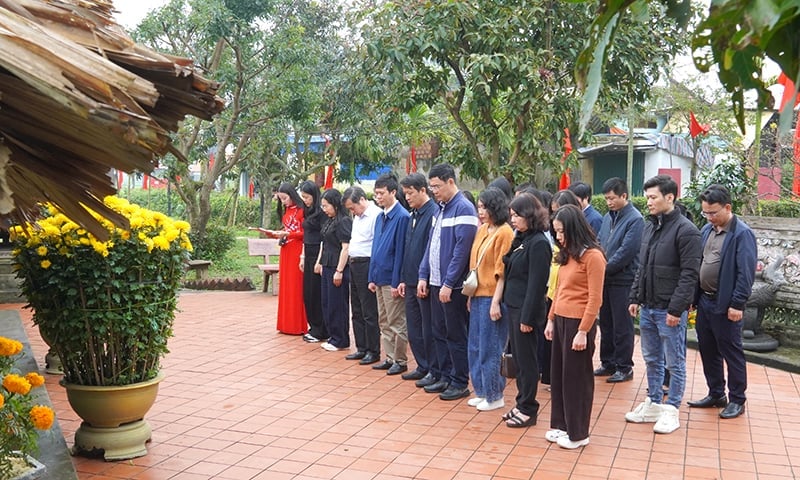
(621, 237)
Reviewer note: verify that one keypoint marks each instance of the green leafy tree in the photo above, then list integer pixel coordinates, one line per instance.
(267, 55)
(503, 71)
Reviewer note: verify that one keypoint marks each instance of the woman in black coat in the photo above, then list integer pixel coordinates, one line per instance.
(525, 297)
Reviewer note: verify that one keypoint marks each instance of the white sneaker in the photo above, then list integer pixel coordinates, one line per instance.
(565, 442)
(554, 435)
(485, 406)
(327, 346)
(668, 422)
(474, 402)
(646, 412)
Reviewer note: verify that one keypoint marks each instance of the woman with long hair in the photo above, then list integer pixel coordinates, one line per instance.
(571, 327)
(488, 327)
(527, 268)
(312, 238)
(332, 265)
(291, 210)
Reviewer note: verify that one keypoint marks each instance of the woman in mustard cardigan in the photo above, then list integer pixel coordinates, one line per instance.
(571, 327)
(488, 327)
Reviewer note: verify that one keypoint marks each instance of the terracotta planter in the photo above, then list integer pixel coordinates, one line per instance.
(113, 418)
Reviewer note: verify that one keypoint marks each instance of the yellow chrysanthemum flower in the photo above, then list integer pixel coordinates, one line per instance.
(2, 401)
(41, 251)
(161, 243)
(34, 379)
(16, 384)
(42, 417)
(9, 347)
(45, 264)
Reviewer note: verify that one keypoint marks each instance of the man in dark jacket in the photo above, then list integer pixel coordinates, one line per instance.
(584, 193)
(726, 281)
(418, 308)
(621, 237)
(662, 291)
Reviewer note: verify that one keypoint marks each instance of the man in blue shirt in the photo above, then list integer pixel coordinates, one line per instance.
(584, 193)
(441, 273)
(385, 267)
(418, 308)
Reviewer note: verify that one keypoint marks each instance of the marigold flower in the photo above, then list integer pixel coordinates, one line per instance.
(45, 264)
(42, 417)
(9, 347)
(34, 379)
(16, 384)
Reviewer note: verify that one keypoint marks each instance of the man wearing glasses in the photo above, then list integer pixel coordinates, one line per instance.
(727, 273)
(441, 274)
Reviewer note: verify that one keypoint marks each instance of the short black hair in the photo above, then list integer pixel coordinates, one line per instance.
(565, 197)
(495, 201)
(527, 206)
(716, 193)
(387, 181)
(616, 185)
(665, 184)
(442, 171)
(581, 190)
(504, 186)
(415, 180)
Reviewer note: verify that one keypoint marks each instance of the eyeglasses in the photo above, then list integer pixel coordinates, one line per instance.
(435, 187)
(711, 214)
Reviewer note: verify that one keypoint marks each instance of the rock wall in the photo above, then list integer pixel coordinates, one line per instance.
(780, 238)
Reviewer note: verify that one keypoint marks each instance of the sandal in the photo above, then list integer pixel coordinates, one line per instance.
(510, 414)
(517, 421)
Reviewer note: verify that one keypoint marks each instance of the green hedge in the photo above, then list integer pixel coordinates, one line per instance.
(766, 208)
(247, 210)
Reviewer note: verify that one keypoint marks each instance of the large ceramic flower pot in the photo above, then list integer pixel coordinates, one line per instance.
(112, 406)
(113, 418)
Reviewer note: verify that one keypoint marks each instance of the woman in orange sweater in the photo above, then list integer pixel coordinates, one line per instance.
(571, 327)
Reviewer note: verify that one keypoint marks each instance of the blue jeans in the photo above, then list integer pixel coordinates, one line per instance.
(487, 340)
(659, 343)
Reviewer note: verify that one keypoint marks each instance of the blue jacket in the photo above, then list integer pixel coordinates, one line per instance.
(593, 217)
(417, 233)
(388, 245)
(620, 236)
(737, 267)
(459, 225)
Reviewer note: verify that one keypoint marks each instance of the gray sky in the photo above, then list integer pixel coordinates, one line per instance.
(131, 12)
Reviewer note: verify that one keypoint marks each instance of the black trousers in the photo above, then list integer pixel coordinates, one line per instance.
(720, 339)
(572, 380)
(420, 334)
(616, 329)
(449, 322)
(364, 305)
(524, 349)
(312, 293)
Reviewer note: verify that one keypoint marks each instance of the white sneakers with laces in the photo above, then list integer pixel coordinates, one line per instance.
(646, 412)
(668, 422)
(554, 435)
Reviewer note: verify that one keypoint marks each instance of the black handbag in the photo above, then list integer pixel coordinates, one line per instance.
(508, 366)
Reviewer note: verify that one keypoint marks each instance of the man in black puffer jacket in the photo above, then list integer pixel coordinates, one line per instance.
(662, 292)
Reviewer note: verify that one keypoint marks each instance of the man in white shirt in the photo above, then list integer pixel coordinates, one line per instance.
(363, 302)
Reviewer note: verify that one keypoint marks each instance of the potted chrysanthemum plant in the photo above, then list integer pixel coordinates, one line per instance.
(107, 308)
(20, 416)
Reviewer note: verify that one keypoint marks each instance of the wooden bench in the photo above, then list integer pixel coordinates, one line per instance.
(200, 268)
(269, 250)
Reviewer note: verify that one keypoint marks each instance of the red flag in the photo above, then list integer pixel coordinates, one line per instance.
(145, 182)
(120, 179)
(328, 177)
(413, 160)
(695, 128)
(788, 91)
(564, 181)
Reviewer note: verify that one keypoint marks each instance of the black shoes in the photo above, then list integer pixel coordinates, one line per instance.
(370, 358)
(453, 393)
(438, 387)
(425, 381)
(619, 377)
(384, 365)
(733, 410)
(396, 369)
(415, 375)
(604, 372)
(355, 356)
(709, 402)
